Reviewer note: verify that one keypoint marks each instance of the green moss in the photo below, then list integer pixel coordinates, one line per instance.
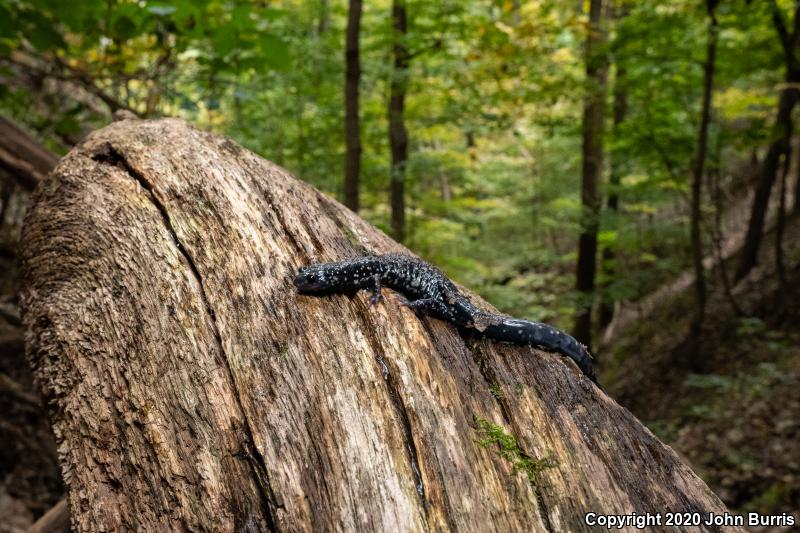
(494, 388)
(283, 350)
(492, 435)
(352, 238)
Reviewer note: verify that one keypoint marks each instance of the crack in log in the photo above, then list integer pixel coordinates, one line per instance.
(448, 509)
(544, 515)
(397, 403)
(109, 155)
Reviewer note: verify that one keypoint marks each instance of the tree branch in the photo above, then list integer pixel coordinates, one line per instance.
(77, 78)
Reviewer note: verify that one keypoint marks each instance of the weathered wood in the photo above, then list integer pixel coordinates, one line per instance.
(191, 387)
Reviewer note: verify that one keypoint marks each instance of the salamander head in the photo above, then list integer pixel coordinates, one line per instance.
(314, 280)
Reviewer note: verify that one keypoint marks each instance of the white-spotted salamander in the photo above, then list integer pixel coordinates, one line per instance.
(429, 292)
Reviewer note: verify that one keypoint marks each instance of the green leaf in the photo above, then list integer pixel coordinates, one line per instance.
(5, 48)
(241, 16)
(224, 40)
(607, 237)
(271, 13)
(276, 51)
(8, 26)
(45, 38)
(125, 28)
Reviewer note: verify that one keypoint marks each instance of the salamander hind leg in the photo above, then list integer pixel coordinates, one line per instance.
(376, 290)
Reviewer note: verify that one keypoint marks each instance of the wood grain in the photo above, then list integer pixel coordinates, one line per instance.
(191, 388)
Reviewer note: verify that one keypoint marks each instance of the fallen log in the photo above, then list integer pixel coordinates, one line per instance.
(22, 157)
(56, 520)
(192, 388)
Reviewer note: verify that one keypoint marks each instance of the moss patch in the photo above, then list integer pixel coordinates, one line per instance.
(492, 435)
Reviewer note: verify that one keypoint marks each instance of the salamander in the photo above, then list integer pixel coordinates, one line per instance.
(427, 291)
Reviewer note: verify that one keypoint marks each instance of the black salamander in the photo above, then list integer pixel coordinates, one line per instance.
(426, 290)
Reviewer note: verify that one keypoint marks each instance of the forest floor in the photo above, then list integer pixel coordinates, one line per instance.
(730, 408)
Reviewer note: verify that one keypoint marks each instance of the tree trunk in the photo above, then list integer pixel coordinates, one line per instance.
(782, 134)
(698, 166)
(593, 116)
(780, 225)
(352, 162)
(769, 170)
(796, 206)
(325, 16)
(398, 135)
(614, 179)
(192, 388)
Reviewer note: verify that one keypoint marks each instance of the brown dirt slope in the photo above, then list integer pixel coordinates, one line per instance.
(731, 409)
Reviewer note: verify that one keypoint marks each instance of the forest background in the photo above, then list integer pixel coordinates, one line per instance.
(624, 170)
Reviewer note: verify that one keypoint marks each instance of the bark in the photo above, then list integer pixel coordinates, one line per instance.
(472, 146)
(698, 166)
(782, 134)
(22, 157)
(780, 224)
(593, 115)
(352, 163)
(398, 135)
(796, 206)
(614, 179)
(191, 388)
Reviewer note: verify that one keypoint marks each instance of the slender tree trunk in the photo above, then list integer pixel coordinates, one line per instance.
(615, 175)
(716, 191)
(782, 134)
(768, 173)
(780, 224)
(796, 207)
(352, 162)
(593, 114)
(698, 166)
(472, 147)
(398, 135)
(325, 16)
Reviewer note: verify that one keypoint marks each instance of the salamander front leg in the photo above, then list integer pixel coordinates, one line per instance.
(376, 290)
(423, 306)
